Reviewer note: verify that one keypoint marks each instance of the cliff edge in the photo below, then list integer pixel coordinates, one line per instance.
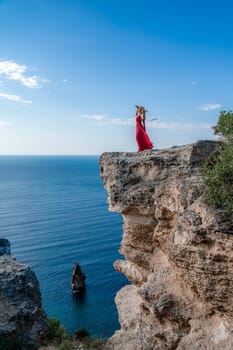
(178, 252)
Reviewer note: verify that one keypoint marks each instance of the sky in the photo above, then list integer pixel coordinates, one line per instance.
(71, 72)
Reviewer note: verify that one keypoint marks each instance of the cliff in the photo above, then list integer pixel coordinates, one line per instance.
(22, 319)
(178, 252)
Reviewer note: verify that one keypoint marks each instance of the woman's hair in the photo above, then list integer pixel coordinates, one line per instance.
(140, 109)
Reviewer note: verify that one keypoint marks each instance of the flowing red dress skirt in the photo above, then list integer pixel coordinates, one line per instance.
(142, 138)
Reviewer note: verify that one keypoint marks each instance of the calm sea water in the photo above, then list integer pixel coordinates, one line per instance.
(54, 212)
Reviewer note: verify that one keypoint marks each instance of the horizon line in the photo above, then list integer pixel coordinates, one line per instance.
(49, 155)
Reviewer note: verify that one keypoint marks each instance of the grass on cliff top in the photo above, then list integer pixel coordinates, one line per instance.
(58, 339)
(218, 169)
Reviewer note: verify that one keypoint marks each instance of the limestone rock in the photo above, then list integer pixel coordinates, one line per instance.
(178, 250)
(21, 313)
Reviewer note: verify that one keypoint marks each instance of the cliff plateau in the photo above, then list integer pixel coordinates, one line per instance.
(178, 252)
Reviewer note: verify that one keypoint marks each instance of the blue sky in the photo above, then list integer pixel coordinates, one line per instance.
(71, 72)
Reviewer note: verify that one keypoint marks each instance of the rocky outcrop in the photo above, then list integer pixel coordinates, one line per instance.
(178, 250)
(5, 247)
(22, 319)
(78, 283)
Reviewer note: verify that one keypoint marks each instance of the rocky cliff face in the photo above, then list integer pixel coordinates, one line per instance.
(179, 252)
(22, 319)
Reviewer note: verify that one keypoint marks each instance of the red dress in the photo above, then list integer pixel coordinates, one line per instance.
(142, 138)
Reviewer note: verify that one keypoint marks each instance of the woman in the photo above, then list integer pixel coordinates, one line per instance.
(142, 138)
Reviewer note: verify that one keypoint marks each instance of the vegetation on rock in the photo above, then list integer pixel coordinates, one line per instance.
(219, 167)
(59, 338)
(10, 343)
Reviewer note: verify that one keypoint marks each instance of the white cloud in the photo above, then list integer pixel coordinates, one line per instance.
(2, 124)
(103, 120)
(178, 126)
(118, 121)
(14, 71)
(96, 117)
(210, 107)
(15, 98)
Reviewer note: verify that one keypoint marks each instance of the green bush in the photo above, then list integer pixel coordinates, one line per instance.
(81, 333)
(219, 167)
(67, 344)
(224, 126)
(9, 343)
(91, 344)
(58, 336)
(56, 332)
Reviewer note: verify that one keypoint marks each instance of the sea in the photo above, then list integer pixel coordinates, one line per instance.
(54, 211)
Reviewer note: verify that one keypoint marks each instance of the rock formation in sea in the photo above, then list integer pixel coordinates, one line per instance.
(178, 252)
(78, 278)
(22, 319)
(5, 247)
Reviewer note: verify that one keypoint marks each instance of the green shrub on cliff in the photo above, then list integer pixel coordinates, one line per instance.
(59, 338)
(10, 343)
(56, 332)
(224, 126)
(219, 167)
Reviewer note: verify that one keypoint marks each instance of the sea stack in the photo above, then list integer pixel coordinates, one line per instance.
(5, 247)
(78, 283)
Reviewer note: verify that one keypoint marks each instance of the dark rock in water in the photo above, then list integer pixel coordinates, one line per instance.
(5, 247)
(78, 283)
